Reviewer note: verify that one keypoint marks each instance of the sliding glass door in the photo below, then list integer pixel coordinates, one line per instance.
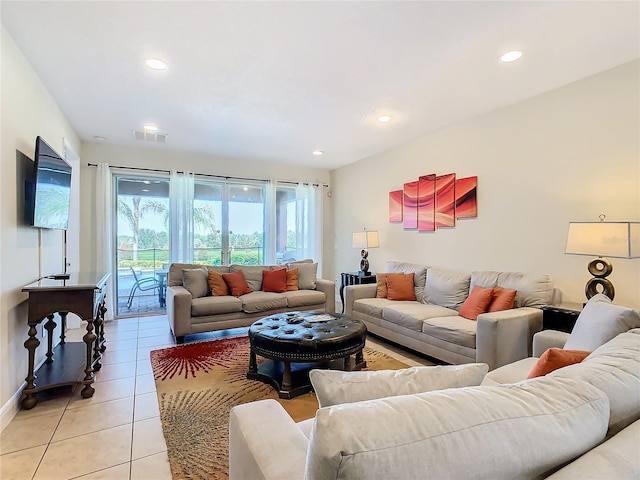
(229, 223)
(142, 243)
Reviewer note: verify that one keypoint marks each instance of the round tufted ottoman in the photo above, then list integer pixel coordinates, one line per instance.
(296, 342)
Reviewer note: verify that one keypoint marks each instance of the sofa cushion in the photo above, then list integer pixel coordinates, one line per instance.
(400, 287)
(217, 285)
(502, 299)
(237, 283)
(274, 280)
(447, 289)
(411, 314)
(476, 303)
(615, 369)
(373, 306)
(304, 298)
(215, 305)
(256, 302)
(533, 290)
(252, 274)
(520, 431)
(599, 322)
(555, 358)
(616, 458)
(457, 330)
(419, 277)
(333, 387)
(510, 373)
(484, 279)
(307, 273)
(196, 281)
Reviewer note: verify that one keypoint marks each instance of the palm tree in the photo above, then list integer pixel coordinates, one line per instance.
(132, 216)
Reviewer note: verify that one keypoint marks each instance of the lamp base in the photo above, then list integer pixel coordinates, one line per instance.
(600, 268)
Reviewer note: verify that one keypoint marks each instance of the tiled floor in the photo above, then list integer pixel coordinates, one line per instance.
(116, 434)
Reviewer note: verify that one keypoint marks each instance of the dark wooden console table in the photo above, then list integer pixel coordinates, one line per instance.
(69, 363)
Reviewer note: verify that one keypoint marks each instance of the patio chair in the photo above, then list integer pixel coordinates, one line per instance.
(142, 284)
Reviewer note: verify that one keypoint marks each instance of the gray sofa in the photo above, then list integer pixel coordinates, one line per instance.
(204, 312)
(431, 324)
(581, 421)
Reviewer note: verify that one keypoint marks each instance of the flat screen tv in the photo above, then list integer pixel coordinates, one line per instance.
(48, 195)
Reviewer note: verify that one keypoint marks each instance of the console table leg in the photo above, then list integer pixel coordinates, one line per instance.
(88, 338)
(97, 352)
(31, 344)
(63, 328)
(50, 327)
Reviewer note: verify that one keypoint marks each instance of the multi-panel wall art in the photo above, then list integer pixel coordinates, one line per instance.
(434, 201)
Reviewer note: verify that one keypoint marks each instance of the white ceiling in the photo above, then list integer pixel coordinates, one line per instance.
(276, 80)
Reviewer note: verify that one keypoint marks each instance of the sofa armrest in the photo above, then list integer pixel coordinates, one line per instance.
(179, 310)
(329, 289)
(546, 339)
(265, 443)
(356, 292)
(506, 336)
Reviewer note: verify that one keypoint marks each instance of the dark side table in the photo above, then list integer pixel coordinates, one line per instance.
(560, 317)
(354, 278)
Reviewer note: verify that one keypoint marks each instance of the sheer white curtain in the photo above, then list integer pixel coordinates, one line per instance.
(104, 231)
(181, 192)
(270, 223)
(309, 219)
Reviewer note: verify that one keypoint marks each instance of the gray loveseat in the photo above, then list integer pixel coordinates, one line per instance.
(431, 324)
(204, 312)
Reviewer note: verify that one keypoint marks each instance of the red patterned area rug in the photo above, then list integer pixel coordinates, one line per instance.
(197, 384)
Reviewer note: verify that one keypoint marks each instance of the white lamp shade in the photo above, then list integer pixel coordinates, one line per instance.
(604, 239)
(366, 239)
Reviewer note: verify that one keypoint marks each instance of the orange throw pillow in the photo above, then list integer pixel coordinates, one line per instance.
(502, 299)
(555, 358)
(217, 284)
(292, 280)
(381, 285)
(236, 283)
(274, 280)
(400, 287)
(476, 303)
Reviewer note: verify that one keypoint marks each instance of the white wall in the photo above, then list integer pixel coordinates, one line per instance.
(197, 163)
(567, 155)
(28, 110)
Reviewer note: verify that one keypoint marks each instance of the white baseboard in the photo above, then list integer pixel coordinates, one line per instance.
(11, 408)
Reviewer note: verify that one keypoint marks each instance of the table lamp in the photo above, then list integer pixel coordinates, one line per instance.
(364, 240)
(610, 239)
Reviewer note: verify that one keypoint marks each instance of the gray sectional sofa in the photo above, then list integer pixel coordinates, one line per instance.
(579, 422)
(431, 324)
(195, 310)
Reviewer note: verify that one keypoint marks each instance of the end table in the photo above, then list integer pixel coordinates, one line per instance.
(354, 278)
(560, 317)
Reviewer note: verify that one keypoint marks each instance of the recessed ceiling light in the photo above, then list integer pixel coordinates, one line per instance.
(511, 56)
(145, 189)
(384, 118)
(150, 128)
(318, 152)
(156, 64)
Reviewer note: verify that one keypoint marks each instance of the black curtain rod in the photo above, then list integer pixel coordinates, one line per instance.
(211, 175)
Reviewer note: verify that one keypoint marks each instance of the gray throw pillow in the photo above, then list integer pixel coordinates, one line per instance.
(599, 322)
(335, 387)
(195, 280)
(307, 273)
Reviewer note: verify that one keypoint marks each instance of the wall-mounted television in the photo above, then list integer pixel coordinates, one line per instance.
(48, 192)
